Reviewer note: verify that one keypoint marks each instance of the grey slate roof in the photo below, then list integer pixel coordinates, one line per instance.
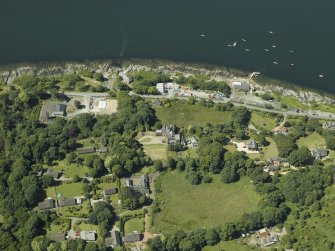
(65, 202)
(46, 204)
(110, 191)
(57, 236)
(132, 237)
(113, 239)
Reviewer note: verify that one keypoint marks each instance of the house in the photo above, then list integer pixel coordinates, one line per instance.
(67, 202)
(280, 130)
(52, 173)
(319, 153)
(58, 110)
(88, 235)
(113, 239)
(86, 150)
(161, 88)
(192, 141)
(130, 238)
(240, 86)
(58, 236)
(109, 191)
(125, 78)
(139, 183)
(46, 204)
(252, 145)
(265, 238)
(103, 149)
(277, 163)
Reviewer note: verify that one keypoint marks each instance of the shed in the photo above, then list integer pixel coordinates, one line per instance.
(134, 237)
(52, 173)
(59, 110)
(241, 86)
(58, 236)
(109, 191)
(66, 202)
(46, 204)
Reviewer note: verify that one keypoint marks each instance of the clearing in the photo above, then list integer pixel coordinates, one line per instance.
(70, 170)
(312, 140)
(191, 115)
(228, 245)
(156, 151)
(185, 206)
(66, 190)
(262, 121)
(134, 224)
(271, 150)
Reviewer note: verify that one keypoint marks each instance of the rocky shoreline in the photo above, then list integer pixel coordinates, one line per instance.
(215, 73)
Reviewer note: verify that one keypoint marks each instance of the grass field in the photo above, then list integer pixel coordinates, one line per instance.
(271, 150)
(86, 226)
(70, 170)
(262, 122)
(312, 140)
(229, 246)
(195, 115)
(66, 190)
(134, 224)
(156, 151)
(188, 207)
(80, 211)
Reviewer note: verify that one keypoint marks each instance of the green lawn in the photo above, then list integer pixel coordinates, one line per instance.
(80, 211)
(230, 148)
(229, 246)
(134, 224)
(195, 115)
(188, 207)
(66, 190)
(262, 122)
(271, 150)
(70, 170)
(293, 102)
(156, 151)
(83, 226)
(312, 140)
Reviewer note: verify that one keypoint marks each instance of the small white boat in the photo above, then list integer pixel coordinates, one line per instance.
(229, 45)
(267, 50)
(247, 50)
(291, 51)
(271, 32)
(275, 62)
(203, 35)
(274, 46)
(234, 44)
(291, 64)
(321, 76)
(244, 40)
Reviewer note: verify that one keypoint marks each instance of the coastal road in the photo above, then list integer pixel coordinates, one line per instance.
(285, 113)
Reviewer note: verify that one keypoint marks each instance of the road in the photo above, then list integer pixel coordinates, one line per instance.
(310, 114)
(285, 113)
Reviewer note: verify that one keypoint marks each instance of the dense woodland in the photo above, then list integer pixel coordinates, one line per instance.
(26, 145)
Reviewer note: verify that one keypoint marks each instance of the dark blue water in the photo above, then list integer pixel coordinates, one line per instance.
(45, 30)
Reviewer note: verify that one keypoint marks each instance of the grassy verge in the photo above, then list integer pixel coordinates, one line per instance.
(188, 207)
(156, 151)
(312, 140)
(191, 115)
(271, 150)
(228, 245)
(262, 121)
(134, 224)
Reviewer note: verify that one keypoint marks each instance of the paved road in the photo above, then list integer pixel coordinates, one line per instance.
(285, 113)
(87, 94)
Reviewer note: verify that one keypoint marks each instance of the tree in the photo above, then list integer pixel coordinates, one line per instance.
(103, 214)
(132, 199)
(212, 237)
(47, 181)
(301, 157)
(77, 104)
(285, 145)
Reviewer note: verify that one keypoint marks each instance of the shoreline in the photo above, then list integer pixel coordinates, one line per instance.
(216, 72)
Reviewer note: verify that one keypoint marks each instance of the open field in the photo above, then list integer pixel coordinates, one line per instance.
(156, 151)
(66, 190)
(70, 170)
(312, 140)
(271, 150)
(191, 115)
(228, 245)
(262, 122)
(86, 226)
(134, 224)
(188, 207)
